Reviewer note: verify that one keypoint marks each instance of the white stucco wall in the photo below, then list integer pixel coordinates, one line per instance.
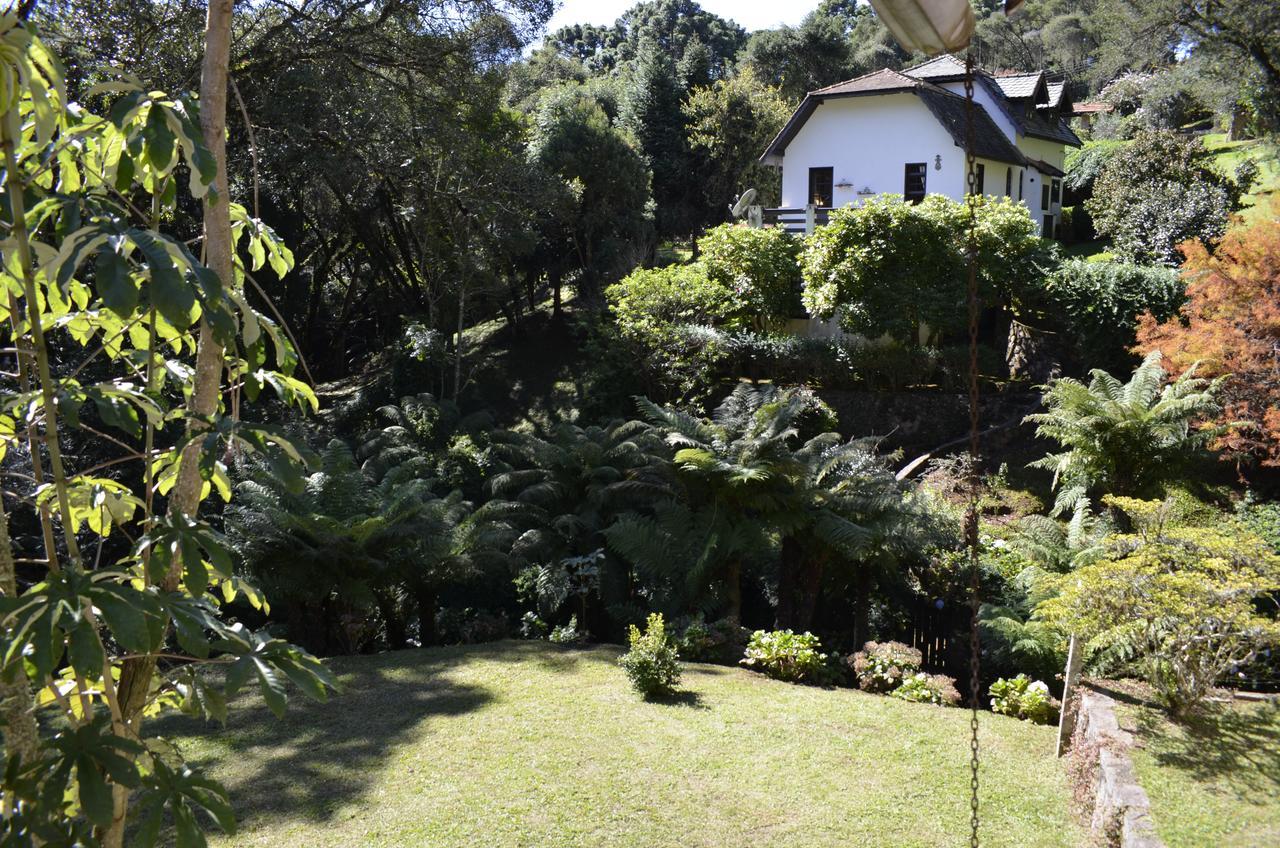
(868, 141)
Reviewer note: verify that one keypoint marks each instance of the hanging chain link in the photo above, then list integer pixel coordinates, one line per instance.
(971, 517)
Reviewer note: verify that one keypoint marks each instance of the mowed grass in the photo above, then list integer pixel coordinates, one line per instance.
(1229, 155)
(1212, 781)
(529, 744)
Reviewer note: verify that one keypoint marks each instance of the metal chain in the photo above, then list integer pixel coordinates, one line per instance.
(971, 517)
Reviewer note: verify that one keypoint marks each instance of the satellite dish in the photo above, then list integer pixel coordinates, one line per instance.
(739, 208)
(929, 26)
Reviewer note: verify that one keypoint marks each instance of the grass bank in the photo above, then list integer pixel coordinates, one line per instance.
(528, 744)
(1214, 780)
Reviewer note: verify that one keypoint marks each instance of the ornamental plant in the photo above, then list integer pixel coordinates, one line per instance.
(1187, 604)
(921, 688)
(1024, 698)
(122, 338)
(785, 655)
(1157, 192)
(883, 666)
(653, 663)
(762, 268)
(1230, 327)
(891, 267)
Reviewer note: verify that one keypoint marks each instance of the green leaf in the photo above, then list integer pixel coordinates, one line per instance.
(170, 292)
(95, 794)
(86, 654)
(160, 139)
(116, 286)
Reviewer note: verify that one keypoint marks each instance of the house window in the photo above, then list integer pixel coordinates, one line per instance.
(980, 178)
(820, 182)
(1008, 182)
(1044, 197)
(1056, 192)
(1022, 175)
(914, 181)
(1047, 232)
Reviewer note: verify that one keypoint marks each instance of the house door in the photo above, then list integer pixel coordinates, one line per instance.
(820, 186)
(1048, 227)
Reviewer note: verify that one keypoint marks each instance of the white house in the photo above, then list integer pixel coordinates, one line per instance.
(892, 131)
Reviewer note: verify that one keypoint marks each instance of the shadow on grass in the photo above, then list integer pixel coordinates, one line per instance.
(681, 698)
(319, 757)
(1240, 747)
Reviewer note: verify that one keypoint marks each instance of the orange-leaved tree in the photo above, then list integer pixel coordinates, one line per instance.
(1230, 324)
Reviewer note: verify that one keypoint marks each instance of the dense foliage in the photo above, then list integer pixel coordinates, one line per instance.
(1099, 305)
(1181, 599)
(785, 655)
(866, 267)
(1025, 699)
(1230, 328)
(1123, 438)
(652, 662)
(1157, 192)
(113, 438)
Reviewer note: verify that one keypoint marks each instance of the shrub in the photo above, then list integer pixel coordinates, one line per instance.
(653, 663)
(883, 666)
(891, 267)
(568, 634)
(785, 655)
(1182, 601)
(1085, 164)
(921, 688)
(1098, 303)
(1024, 699)
(649, 302)
(532, 626)
(721, 641)
(1122, 438)
(1230, 325)
(761, 267)
(1157, 192)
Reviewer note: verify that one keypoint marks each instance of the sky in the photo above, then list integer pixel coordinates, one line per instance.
(751, 14)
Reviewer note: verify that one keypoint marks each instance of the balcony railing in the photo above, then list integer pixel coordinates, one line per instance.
(799, 220)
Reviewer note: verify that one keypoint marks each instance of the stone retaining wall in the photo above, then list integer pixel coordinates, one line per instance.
(1121, 811)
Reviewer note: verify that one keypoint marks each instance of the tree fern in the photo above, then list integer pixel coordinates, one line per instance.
(1123, 438)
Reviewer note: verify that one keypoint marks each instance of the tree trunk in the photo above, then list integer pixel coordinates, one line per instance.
(17, 708)
(798, 583)
(135, 677)
(556, 305)
(861, 606)
(425, 600)
(733, 584)
(397, 636)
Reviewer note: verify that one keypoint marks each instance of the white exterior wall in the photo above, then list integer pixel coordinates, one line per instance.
(868, 141)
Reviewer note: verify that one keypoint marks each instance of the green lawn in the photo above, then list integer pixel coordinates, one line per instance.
(1214, 781)
(528, 744)
(1229, 154)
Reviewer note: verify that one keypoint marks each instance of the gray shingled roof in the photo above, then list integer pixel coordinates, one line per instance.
(989, 141)
(1055, 93)
(946, 106)
(878, 82)
(1019, 86)
(940, 67)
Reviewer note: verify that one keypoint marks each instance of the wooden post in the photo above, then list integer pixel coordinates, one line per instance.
(810, 219)
(1067, 719)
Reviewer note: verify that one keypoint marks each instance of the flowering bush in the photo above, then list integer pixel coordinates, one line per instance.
(653, 662)
(921, 688)
(1023, 698)
(785, 655)
(1156, 193)
(883, 666)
